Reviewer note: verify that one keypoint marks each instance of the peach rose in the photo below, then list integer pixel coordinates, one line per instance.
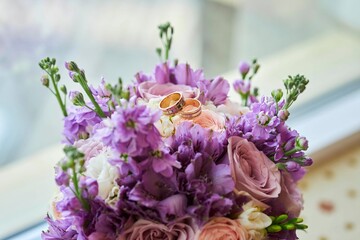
(207, 119)
(150, 90)
(222, 228)
(210, 119)
(182, 229)
(252, 170)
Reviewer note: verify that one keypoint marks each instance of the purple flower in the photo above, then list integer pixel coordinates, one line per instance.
(80, 122)
(162, 162)
(190, 139)
(131, 130)
(61, 177)
(162, 73)
(185, 75)
(242, 86)
(59, 229)
(208, 186)
(215, 90)
(101, 91)
(90, 187)
(244, 68)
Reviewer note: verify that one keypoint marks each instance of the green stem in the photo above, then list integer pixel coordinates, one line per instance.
(57, 95)
(87, 90)
(292, 151)
(77, 190)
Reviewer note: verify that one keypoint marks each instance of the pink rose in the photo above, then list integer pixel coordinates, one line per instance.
(183, 229)
(252, 170)
(290, 198)
(223, 228)
(149, 90)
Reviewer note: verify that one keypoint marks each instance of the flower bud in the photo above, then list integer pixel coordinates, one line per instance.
(283, 114)
(77, 98)
(45, 80)
(277, 94)
(274, 229)
(302, 143)
(71, 66)
(288, 226)
(292, 166)
(63, 89)
(281, 218)
(308, 162)
(72, 75)
(244, 68)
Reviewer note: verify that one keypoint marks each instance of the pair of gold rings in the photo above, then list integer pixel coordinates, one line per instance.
(175, 103)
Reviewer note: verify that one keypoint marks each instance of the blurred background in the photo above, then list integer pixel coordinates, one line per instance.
(317, 38)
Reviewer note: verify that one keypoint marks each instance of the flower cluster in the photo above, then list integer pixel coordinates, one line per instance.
(133, 172)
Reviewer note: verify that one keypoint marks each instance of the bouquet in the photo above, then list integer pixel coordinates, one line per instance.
(172, 157)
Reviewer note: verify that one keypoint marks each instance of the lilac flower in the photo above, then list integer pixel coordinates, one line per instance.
(208, 184)
(162, 73)
(242, 86)
(185, 75)
(162, 162)
(152, 189)
(215, 90)
(100, 91)
(190, 139)
(244, 68)
(59, 229)
(80, 122)
(132, 130)
(61, 177)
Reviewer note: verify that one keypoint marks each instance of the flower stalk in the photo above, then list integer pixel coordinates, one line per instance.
(79, 76)
(49, 66)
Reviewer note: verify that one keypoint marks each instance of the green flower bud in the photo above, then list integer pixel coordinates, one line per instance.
(274, 229)
(63, 89)
(277, 94)
(301, 226)
(288, 226)
(281, 218)
(45, 80)
(71, 66)
(77, 98)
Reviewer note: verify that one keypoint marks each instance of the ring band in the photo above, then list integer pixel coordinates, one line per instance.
(191, 109)
(172, 103)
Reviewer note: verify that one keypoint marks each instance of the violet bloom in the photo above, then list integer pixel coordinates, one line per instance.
(215, 90)
(208, 185)
(190, 139)
(161, 162)
(185, 75)
(100, 91)
(132, 130)
(59, 229)
(242, 86)
(244, 68)
(80, 122)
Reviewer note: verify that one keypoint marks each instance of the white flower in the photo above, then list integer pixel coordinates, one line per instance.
(104, 173)
(232, 108)
(257, 234)
(166, 125)
(253, 219)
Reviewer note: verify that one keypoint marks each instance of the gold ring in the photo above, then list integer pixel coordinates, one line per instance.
(191, 109)
(172, 103)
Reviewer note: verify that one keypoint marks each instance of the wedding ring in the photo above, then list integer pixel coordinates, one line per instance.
(172, 103)
(191, 109)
